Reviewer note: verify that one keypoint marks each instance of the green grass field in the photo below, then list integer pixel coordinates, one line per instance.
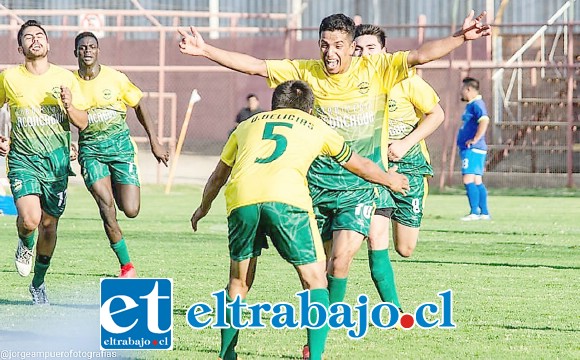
(515, 281)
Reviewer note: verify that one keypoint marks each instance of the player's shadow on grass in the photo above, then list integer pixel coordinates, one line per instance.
(534, 266)
(524, 327)
(52, 304)
(14, 302)
(248, 354)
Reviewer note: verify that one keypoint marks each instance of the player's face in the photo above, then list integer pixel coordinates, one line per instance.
(336, 50)
(34, 43)
(253, 103)
(87, 51)
(465, 93)
(367, 45)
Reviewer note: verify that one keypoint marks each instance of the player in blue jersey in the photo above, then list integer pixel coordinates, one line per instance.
(473, 149)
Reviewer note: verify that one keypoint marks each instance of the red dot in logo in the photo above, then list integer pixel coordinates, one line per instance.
(155, 342)
(407, 321)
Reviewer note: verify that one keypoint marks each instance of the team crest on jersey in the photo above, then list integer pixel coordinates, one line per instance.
(107, 94)
(363, 87)
(392, 105)
(17, 185)
(56, 92)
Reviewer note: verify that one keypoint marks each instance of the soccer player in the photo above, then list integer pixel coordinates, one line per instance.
(268, 156)
(413, 114)
(473, 149)
(43, 99)
(107, 154)
(350, 96)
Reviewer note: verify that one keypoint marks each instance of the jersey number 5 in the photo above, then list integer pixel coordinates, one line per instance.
(281, 141)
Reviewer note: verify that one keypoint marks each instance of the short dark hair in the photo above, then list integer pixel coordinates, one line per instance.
(337, 22)
(27, 24)
(471, 82)
(84, 35)
(369, 29)
(294, 94)
(251, 96)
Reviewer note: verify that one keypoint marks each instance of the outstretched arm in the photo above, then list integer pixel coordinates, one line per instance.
(156, 148)
(370, 171)
(432, 120)
(472, 29)
(215, 182)
(194, 45)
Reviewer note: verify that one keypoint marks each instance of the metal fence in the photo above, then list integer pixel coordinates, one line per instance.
(534, 140)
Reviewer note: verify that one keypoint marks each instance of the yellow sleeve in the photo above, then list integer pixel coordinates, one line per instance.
(394, 68)
(335, 146)
(421, 94)
(280, 71)
(2, 90)
(230, 150)
(130, 93)
(78, 99)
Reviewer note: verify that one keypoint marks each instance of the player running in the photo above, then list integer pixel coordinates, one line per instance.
(44, 100)
(107, 153)
(350, 96)
(413, 114)
(268, 156)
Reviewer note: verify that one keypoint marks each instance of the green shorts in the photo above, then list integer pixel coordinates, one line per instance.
(342, 210)
(113, 157)
(292, 231)
(46, 177)
(384, 198)
(409, 208)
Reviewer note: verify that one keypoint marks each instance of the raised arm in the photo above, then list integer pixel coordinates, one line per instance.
(370, 171)
(430, 123)
(472, 29)
(78, 118)
(194, 45)
(215, 182)
(156, 148)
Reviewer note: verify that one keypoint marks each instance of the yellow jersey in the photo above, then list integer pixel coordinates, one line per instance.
(408, 102)
(108, 95)
(40, 124)
(270, 154)
(353, 103)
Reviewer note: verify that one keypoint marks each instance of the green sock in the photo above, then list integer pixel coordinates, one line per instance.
(121, 251)
(40, 267)
(383, 276)
(317, 337)
(229, 336)
(28, 241)
(336, 288)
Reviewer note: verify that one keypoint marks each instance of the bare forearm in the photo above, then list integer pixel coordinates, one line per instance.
(435, 49)
(145, 120)
(427, 126)
(214, 184)
(481, 129)
(236, 61)
(78, 118)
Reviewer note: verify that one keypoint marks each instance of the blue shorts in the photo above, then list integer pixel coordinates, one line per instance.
(472, 161)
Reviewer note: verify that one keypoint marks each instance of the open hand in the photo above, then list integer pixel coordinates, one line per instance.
(191, 44)
(473, 28)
